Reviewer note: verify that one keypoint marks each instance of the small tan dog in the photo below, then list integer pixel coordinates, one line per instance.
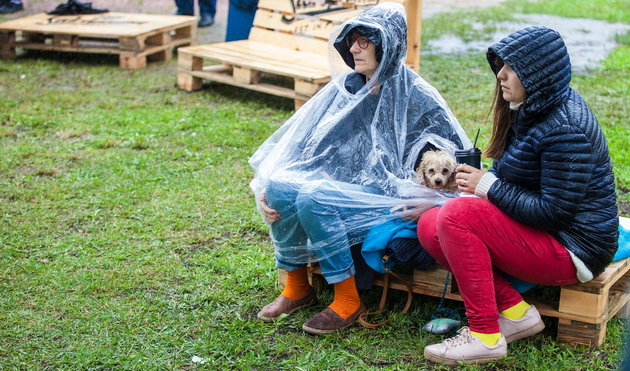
(437, 170)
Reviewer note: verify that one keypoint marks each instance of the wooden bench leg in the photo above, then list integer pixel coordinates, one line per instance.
(297, 103)
(580, 333)
(163, 55)
(188, 63)
(245, 75)
(7, 45)
(132, 61)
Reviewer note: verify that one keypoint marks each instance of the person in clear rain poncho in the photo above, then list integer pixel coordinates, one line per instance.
(346, 158)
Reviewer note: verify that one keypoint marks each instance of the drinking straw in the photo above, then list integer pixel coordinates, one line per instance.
(476, 137)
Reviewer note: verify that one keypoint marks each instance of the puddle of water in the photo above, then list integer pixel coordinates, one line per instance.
(588, 41)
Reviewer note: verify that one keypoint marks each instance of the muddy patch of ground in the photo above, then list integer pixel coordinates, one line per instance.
(588, 41)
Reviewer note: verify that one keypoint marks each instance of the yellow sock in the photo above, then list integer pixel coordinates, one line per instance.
(347, 299)
(517, 311)
(488, 339)
(297, 284)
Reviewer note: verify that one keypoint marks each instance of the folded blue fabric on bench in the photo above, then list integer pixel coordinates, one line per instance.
(401, 237)
(624, 239)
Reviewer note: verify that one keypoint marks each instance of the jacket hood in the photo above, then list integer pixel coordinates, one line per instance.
(540, 59)
(384, 25)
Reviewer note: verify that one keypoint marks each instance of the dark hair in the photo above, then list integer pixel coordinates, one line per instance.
(502, 120)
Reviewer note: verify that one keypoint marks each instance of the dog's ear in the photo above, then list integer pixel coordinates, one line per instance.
(451, 185)
(419, 175)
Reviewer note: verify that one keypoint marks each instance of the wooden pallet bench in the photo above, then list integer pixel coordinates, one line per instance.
(134, 37)
(583, 310)
(286, 53)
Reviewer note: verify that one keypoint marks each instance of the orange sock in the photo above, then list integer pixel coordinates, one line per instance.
(347, 299)
(297, 284)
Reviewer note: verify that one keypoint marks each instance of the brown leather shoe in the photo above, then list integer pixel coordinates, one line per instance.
(282, 304)
(328, 321)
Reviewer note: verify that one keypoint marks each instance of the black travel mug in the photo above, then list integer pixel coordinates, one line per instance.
(470, 156)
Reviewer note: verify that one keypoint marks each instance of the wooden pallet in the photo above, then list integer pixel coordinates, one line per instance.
(134, 37)
(286, 53)
(583, 310)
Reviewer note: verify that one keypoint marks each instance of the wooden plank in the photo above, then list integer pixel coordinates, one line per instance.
(263, 57)
(580, 333)
(82, 49)
(133, 44)
(261, 87)
(187, 63)
(583, 303)
(160, 38)
(245, 75)
(132, 61)
(275, 21)
(294, 6)
(306, 88)
(414, 33)
(107, 24)
(66, 40)
(609, 277)
(339, 16)
(303, 44)
(616, 301)
(433, 279)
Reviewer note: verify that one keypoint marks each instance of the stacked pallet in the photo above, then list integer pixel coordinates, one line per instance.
(136, 38)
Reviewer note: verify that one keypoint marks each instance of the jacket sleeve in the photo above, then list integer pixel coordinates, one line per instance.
(566, 168)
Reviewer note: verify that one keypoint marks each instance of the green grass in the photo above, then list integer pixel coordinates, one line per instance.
(129, 237)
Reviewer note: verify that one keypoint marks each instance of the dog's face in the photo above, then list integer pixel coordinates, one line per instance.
(437, 170)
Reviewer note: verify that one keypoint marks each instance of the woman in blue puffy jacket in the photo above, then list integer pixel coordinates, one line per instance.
(545, 213)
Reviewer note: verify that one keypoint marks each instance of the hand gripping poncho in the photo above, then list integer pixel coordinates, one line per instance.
(355, 145)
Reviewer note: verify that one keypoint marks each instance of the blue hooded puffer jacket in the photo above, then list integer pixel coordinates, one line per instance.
(555, 173)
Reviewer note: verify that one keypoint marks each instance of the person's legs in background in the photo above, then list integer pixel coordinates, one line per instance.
(10, 6)
(207, 11)
(185, 7)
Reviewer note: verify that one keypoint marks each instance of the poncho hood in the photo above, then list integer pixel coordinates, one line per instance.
(385, 26)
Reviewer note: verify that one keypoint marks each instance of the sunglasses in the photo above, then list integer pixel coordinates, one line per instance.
(362, 40)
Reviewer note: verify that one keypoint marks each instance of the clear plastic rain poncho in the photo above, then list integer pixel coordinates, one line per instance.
(346, 159)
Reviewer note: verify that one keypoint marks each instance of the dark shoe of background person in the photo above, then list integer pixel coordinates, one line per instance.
(328, 321)
(206, 21)
(11, 6)
(284, 305)
(76, 7)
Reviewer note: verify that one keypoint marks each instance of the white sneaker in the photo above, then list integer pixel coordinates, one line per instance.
(465, 347)
(516, 329)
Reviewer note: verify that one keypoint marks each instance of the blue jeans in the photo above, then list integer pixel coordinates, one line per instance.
(206, 7)
(319, 220)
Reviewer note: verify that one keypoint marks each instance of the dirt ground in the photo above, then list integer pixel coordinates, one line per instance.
(216, 32)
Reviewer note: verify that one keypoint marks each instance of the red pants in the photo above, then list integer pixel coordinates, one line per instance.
(477, 242)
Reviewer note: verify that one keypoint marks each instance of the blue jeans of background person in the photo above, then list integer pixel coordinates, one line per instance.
(187, 7)
(312, 226)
